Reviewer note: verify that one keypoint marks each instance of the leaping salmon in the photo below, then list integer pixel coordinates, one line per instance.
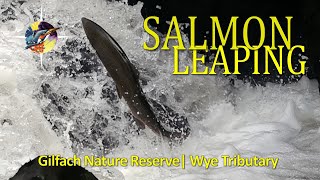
(161, 119)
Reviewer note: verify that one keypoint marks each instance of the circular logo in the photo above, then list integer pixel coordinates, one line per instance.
(41, 37)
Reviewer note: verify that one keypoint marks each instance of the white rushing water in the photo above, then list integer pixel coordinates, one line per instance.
(272, 121)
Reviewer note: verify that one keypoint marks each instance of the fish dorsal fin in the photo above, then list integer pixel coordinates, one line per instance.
(135, 71)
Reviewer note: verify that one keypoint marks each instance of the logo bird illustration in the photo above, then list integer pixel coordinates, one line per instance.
(39, 37)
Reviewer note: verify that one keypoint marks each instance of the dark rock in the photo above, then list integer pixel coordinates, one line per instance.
(172, 122)
(109, 93)
(6, 121)
(33, 171)
(110, 142)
